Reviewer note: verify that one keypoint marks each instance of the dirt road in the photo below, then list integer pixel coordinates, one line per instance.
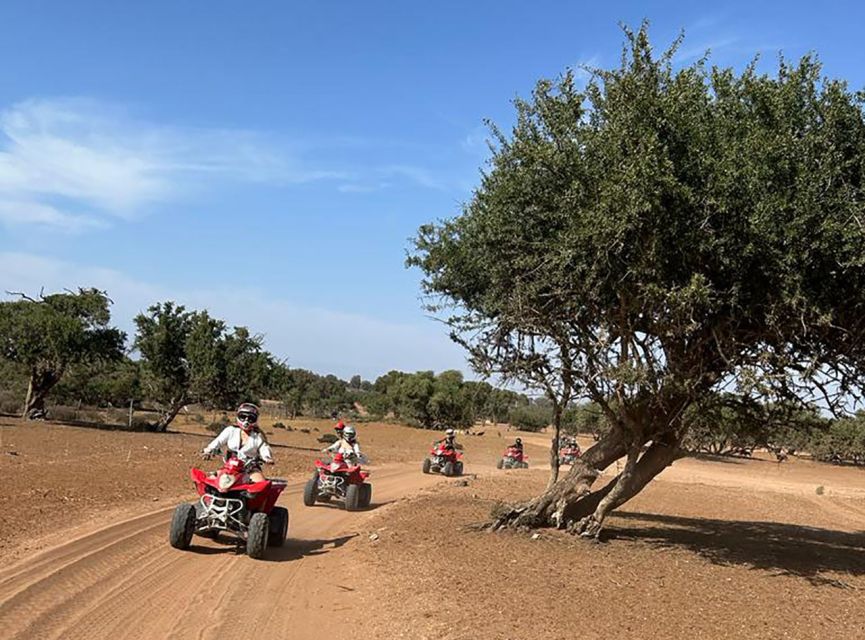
(124, 581)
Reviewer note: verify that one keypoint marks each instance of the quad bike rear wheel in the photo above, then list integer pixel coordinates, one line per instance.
(278, 526)
(365, 495)
(310, 492)
(352, 497)
(426, 465)
(182, 526)
(458, 468)
(259, 532)
(448, 469)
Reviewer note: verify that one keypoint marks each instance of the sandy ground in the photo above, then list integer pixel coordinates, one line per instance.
(713, 549)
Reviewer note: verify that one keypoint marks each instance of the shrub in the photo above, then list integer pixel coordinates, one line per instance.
(216, 427)
(530, 417)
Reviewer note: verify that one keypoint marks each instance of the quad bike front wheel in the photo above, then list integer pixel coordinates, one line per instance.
(352, 497)
(258, 534)
(182, 526)
(448, 469)
(310, 492)
(365, 495)
(427, 463)
(458, 468)
(278, 526)
(500, 464)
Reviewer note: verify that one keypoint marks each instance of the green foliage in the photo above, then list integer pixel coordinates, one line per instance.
(663, 232)
(439, 401)
(843, 441)
(190, 357)
(48, 335)
(532, 417)
(100, 384)
(584, 418)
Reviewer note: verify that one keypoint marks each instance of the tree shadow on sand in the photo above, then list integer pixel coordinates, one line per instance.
(783, 549)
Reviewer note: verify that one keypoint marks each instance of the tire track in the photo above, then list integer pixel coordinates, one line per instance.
(124, 581)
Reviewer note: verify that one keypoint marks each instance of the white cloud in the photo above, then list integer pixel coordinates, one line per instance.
(687, 54)
(418, 175)
(323, 340)
(96, 159)
(42, 215)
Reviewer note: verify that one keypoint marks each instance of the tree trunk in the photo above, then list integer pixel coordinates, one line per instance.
(167, 417)
(632, 480)
(548, 508)
(571, 504)
(554, 449)
(40, 383)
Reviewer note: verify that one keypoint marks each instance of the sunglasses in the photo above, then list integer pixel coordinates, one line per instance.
(247, 417)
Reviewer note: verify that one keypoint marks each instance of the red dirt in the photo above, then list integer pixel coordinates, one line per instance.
(714, 549)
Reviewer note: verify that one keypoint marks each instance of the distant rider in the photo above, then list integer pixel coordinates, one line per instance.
(245, 440)
(450, 440)
(348, 446)
(518, 445)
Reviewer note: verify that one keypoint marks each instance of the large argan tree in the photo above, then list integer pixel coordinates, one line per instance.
(660, 236)
(50, 333)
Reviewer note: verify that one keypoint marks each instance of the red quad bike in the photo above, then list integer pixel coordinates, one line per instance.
(230, 503)
(569, 453)
(441, 459)
(339, 479)
(513, 458)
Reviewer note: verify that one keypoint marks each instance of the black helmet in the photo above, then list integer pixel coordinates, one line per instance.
(519, 441)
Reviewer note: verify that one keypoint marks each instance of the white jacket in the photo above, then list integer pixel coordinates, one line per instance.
(256, 446)
(347, 449)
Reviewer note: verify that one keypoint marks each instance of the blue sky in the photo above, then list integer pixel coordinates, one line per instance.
(270, 160)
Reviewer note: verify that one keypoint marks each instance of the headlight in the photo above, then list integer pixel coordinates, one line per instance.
(225, 481)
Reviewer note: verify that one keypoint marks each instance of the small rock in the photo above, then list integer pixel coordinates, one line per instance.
(373, 536)
(462, 483)
(155, 499)
(536, 536)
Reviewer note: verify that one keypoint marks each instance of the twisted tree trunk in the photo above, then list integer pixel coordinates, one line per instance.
(635, 476)
(40, 383)
(547, 509)
(571, 504)
(166, 417)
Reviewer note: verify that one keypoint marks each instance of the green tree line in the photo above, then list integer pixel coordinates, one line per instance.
(60, 349)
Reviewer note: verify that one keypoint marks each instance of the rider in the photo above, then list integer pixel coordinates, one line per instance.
(338, 428)
(450, 439)
(245, 440)
(348, 446)
(518, 444)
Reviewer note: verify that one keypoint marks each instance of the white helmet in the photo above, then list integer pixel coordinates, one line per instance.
(349, 433)
(450, 433)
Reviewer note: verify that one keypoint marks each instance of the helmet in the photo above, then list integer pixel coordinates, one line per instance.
(519, 441)
(349, 433)
(247, 416)
(450, 433)
(339, 426)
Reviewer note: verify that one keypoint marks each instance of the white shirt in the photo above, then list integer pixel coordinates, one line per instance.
(347, 448)
(256, 446)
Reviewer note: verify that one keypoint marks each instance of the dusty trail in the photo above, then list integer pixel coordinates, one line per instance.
(124, 581)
